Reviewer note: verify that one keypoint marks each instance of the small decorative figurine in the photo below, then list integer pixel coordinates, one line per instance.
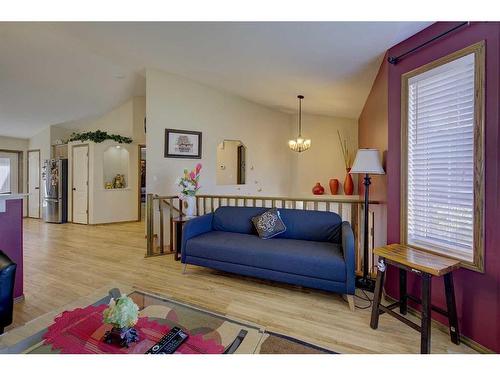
(119, 181)
(109, 185)
(123, 314)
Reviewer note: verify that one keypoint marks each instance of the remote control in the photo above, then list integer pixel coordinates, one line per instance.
(170, 342)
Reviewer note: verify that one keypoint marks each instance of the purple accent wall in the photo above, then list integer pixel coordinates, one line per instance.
(11, 238)
(478, 295)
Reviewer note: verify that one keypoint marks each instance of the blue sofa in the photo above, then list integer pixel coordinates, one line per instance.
(316, 250)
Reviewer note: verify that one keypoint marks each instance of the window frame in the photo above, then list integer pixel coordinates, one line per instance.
(478, 49)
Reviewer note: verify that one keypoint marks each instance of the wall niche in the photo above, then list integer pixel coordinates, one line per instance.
(115, 167)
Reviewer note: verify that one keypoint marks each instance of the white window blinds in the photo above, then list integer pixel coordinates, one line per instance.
(440, 156)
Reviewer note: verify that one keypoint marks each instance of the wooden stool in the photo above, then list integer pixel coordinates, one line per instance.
(425, 265)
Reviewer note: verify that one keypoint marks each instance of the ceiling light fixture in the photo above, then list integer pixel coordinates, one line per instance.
(299, 144)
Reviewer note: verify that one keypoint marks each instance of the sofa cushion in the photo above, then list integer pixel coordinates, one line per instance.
(307, 258)
(300, 224)
(236, 219)
(269, 224)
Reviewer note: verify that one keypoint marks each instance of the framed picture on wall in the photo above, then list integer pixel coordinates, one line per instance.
(184, 144)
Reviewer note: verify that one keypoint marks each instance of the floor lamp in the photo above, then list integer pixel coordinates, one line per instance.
(367, 162)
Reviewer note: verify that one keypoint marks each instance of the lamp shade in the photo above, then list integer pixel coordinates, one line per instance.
(367, 161)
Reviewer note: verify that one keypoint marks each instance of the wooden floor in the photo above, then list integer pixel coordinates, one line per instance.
(66, 262)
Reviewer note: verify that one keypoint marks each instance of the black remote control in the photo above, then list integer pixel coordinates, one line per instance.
(170, 342)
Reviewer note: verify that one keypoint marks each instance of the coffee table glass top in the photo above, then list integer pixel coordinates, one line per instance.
(235, 336)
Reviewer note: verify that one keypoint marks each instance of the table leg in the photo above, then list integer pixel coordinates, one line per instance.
(452, 308)
(403, 298)
(425, 338)
(379, 285)
(178, 240)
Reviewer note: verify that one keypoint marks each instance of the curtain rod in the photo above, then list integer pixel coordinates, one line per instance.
(394, 60)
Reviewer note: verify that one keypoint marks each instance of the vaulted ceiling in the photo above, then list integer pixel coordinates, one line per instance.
(51, 73)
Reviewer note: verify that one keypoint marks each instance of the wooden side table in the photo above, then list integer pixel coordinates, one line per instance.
(178, 224)
(426, 265)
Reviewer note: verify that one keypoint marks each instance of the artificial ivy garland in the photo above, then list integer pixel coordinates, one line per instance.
(98, 136)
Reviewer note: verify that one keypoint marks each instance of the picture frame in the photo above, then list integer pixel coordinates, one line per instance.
(183, 144)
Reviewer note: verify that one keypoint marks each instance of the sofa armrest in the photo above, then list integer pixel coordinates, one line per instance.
(349, 256)
(193, 228)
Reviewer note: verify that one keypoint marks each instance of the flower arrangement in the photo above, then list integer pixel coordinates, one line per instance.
(122, 313)
(189, 182)
(345, 151)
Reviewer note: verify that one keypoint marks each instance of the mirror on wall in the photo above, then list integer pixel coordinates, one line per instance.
(231, 163)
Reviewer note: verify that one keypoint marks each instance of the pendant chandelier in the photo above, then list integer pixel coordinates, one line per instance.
(300, 144)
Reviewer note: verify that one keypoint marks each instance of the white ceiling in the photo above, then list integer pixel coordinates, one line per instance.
(51, 73)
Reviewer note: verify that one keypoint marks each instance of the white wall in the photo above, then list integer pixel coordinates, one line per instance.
(126, 120)
(178, 103)
(59, 133)
(323, 160)
(139, 108)
(13, 144)
(42, 141)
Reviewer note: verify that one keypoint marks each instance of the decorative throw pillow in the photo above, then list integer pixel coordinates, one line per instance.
(269, 224)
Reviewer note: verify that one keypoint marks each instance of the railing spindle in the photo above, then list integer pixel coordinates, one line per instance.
(160, 208)
(149, 224)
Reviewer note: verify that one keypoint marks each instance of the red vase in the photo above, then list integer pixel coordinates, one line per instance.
(348, 183)
(318, 189)
(334, 186)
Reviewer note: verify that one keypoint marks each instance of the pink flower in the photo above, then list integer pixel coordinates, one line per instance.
(192, 175)
(198, 168)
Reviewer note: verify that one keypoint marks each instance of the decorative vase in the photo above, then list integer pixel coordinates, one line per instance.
(334, 186)
(189, 205)
(348, 183)
(318, 189)
(121, 336)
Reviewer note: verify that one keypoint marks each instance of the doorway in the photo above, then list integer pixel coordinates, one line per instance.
(80, 184)
(34, 184)
(142, 182)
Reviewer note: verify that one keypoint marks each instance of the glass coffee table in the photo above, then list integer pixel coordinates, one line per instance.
(209, 332)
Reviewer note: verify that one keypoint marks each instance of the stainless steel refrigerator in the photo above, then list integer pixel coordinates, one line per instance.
(55, 190)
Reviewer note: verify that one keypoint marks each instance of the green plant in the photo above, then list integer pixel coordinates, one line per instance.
(98, 136)
(122, 313)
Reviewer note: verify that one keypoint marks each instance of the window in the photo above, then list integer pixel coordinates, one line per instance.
(442, 156)
(4, 175)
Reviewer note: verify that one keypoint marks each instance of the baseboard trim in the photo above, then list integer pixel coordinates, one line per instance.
(444, 328)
